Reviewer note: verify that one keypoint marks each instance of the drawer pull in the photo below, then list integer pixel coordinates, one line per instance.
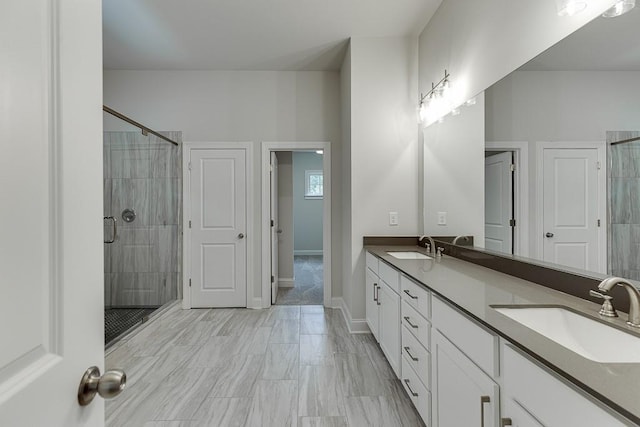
(413, 393)
(415, 359)
(483, 400)
(408, 320)
(375, 292)
(410, 296)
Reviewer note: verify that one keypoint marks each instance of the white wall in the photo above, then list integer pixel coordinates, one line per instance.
(285, 216)
(307, 213)
(533, 106)
(384, 150)
(228, 106)
(345, 169)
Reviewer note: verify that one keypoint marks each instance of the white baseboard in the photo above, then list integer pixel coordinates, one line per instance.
(356, 326)
(285, 282)
(307, 252)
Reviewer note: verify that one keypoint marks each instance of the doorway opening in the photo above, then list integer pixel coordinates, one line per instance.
(297, 192)
(296, 224)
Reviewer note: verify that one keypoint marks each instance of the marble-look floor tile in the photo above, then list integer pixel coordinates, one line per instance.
(275, 404)
(281, 362)
(323, 422)
(228, 412)
(253, 340)
(285, 331)
(314, 324)
(186, 389)
(242, 319)
(137, 405)
(237, 377)
(319, 392)
(282, 312)
(357, 376)
(377, 411)
(215, 351)
(311, 309)
(379, 361)
(317, 350)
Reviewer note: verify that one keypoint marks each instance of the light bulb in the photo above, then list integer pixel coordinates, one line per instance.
(620, 8)
(570, 7)
(455, 112)
(470, 102)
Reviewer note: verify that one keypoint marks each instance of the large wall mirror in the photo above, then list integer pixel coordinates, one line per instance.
(562, 153)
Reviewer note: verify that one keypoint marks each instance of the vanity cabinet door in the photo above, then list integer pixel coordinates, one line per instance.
(463, 395)
(517, 416)
(389, 331)
(371, 306)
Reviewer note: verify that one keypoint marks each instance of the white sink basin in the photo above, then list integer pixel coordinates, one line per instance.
(589, 338)
(409, 255)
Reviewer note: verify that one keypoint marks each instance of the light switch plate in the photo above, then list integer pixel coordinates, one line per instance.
(393, 218)
(442, 218)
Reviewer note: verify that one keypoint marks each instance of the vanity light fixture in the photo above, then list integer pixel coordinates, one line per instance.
(620, 8)
(438, 90)
(570, 7)
(470, 102)
(319, 151)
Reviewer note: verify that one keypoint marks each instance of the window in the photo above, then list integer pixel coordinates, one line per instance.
(313, 187)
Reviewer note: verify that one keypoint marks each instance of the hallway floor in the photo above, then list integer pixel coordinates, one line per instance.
(308, 282)
(285, 366)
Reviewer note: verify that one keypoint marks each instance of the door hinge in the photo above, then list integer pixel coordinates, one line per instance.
(512, 167)
(598, 223)
(599, 165)
(189, 282)
(189, 165)
(273, 223)
(189, 223)
(273, 279)
(512, 222)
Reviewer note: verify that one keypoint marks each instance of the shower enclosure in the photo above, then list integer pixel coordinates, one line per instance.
(624, 202)
(142, 221)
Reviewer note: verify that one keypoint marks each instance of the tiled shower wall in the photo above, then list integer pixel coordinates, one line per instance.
(624, 205)
(143, 173)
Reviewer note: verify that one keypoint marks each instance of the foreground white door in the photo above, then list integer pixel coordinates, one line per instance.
(51, 267)
(570, 207)
(218, 208)
(498, 202)
(275, 226)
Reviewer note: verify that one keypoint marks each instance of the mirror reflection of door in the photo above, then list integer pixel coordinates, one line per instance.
(498, 201)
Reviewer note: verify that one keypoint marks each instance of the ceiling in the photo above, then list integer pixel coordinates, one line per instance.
(249, 34)
(604, 44)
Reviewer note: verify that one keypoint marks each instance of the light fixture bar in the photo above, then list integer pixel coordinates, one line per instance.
(435, 87)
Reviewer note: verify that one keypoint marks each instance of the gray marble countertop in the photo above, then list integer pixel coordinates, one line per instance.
(474, 289)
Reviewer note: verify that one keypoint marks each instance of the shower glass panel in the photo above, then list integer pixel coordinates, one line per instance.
(624, 198)
(142, 194)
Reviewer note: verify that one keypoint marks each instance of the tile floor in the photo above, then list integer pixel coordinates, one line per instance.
(285, 366)
(308, 271)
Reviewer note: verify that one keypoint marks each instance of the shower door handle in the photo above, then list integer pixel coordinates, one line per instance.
(115, 229)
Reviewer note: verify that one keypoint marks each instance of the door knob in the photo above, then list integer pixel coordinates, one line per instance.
(241, 236)
(108, 385)
(549, 234)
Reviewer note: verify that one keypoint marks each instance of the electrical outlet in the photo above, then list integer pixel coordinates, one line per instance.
(393, 218)
(442, 218)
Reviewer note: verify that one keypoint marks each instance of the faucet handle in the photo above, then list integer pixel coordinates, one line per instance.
(607, 309)
(439, 251)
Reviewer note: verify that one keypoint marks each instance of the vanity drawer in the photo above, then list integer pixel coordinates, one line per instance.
(416, 324)
(416, 296)
(417, 392)
(390, 275)
(417, 356)
(372, 262)
(478, 344)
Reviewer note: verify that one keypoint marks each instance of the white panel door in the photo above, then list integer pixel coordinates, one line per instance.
(498, 202)
(218, 198)
(275, 226)
(51, 266)
(389, 326)
(570, 207)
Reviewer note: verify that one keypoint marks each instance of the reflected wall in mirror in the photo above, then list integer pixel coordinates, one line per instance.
(574, 189)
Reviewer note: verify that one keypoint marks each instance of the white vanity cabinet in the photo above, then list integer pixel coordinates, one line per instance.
(383, 308)
(464, 365)
(532, 396)
(416, 345)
